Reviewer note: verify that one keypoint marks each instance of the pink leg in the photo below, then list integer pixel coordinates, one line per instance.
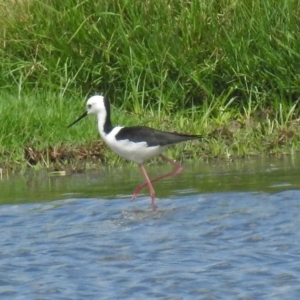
(177, 169)
(151, 189)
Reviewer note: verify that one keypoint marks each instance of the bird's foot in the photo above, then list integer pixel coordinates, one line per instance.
(137, 191)
(134, 195)
(154, 206)
(153, 200)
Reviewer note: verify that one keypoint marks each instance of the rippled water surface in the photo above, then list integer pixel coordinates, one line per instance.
(221, 231)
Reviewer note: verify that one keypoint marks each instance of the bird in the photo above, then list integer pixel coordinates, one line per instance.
(135, 143)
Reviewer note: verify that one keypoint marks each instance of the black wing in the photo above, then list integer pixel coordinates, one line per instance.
(153, 137)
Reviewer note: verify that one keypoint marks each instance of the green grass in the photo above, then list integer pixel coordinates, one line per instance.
(34, 132)
(159, 54)
(226, 69)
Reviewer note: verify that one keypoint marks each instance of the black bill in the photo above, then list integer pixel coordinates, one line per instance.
(81, 117)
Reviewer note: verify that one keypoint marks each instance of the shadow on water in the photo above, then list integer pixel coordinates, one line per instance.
(262, 175)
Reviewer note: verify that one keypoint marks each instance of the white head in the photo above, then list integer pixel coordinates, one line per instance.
(96, 105)
(99, 106)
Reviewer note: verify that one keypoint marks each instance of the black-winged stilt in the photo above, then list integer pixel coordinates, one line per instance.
(136, 143)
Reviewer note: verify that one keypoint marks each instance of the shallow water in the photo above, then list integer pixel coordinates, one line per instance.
(221, 231)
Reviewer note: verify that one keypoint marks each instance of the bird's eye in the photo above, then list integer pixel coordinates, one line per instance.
(89, 106)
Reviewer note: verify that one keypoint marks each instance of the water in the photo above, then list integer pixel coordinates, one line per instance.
(221, 231)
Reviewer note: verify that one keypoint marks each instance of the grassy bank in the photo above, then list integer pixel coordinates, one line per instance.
(34, 133)
(226, 69)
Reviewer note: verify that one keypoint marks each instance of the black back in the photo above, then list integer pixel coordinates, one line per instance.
(152, 137)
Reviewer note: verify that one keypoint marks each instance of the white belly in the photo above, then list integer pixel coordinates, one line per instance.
(137, 152)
